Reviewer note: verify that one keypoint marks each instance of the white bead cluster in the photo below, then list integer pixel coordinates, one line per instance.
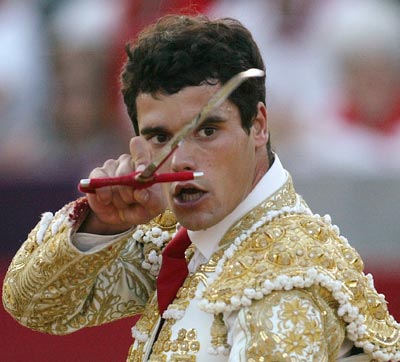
(139, 336)
(157, 237)
(218, 350)
(173, 313)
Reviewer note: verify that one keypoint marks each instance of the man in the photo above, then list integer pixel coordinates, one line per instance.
(268, 280)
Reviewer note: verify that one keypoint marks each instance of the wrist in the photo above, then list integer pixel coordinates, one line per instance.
(93, 225)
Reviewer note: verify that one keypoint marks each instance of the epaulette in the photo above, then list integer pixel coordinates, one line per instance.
(301, 251)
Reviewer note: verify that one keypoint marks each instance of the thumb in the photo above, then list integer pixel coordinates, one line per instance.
(139, 167)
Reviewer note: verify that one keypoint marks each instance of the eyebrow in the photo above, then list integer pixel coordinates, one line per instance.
(153, 130)
(146, 131)
(214, 119)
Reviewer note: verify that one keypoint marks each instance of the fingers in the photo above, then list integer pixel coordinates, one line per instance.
(118, 195)
(122, 217)
(122, 196)
(141, 196)
(104, 194)
(140, 157)
(123, 205)
(124, 168)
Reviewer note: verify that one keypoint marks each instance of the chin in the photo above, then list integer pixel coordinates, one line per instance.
(194, 222)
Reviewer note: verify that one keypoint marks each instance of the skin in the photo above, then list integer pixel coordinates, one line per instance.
(233, 161)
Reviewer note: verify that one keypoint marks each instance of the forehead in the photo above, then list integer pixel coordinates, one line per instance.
(178, 107)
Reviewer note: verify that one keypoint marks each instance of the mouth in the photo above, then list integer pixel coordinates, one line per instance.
(188, 194)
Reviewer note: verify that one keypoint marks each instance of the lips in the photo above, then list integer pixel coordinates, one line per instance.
(188, 193)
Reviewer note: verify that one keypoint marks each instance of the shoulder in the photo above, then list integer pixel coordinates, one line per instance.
(291, 250)
(301, 251)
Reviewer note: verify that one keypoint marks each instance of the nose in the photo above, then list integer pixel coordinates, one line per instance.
(183, 158)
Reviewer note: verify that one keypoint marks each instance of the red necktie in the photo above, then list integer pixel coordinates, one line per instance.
(173, 270)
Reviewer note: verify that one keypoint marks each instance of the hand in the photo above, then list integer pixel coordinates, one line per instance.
(115, 209)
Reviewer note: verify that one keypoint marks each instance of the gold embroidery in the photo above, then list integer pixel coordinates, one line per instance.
(52, 287)
(290, 326)
(148, 321)
(285, 196)
(186, 344)
(186, 293)
(166, 220)
(149, 317)
(154, 237)
(183, 348)
(52, 279)
(135, 353)
(55, 280)
(290, 245)
(219, 332)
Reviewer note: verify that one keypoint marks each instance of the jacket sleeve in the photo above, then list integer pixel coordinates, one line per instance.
(292, 326)
(54, 288)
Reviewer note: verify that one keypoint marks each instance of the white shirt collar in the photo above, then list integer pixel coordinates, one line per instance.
(206, 241)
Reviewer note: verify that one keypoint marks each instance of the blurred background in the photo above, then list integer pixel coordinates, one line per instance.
(333, 98)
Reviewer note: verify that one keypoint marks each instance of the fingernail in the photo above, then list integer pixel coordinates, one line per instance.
(140, 168)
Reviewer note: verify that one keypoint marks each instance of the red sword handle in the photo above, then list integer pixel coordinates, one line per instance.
(131, 180)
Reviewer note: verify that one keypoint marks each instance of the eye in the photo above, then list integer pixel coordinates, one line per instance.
(159, 139)
(207, 131)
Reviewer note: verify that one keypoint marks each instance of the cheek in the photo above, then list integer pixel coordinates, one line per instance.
(231, 161)
(241, 158)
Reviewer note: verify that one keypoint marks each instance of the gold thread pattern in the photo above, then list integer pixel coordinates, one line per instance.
(294, 325)
(182, 348)
(283, 250)
(147, 323)
(52, 287)
(219, 333)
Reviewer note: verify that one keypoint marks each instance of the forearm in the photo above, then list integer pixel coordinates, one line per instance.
(53, 287)
(93, 225)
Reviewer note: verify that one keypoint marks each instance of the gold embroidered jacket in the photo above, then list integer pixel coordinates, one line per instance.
(282, 286)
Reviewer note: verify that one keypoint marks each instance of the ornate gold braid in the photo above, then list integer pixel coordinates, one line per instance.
(300, 251)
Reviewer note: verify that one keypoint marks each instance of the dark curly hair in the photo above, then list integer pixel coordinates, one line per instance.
(179, 51)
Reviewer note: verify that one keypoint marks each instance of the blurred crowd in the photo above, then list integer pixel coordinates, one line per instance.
(60, 108)
(333, 82)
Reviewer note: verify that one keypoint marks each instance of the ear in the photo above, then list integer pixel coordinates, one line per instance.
(260, 126)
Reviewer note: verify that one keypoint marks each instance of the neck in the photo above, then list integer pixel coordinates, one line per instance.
(261, 169)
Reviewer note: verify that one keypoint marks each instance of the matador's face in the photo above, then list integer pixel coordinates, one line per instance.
(219, 147)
